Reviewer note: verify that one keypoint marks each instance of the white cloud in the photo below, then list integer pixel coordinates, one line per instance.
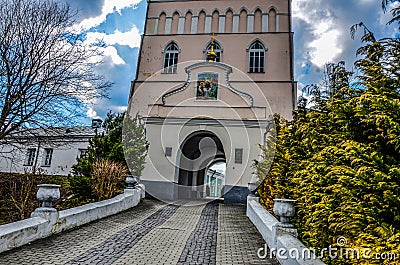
(130, 38)
(325, 46)
(112, 53)
(119, 109)
(91, 113)
(108, 8)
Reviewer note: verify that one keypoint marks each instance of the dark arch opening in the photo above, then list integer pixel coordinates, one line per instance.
(197, 153)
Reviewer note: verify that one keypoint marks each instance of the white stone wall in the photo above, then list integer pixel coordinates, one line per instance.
(278, 238)
(45, 224)
(12, 158)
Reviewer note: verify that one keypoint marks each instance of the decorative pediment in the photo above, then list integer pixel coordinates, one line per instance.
(208, 83)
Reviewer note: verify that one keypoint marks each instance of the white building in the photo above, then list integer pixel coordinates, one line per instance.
(52, 152)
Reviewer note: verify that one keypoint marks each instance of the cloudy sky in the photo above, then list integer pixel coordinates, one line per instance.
(321, 27)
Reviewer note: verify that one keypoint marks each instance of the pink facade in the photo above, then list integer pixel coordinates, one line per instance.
(251, 79)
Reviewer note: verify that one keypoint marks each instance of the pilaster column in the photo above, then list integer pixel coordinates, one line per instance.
(221, 25)
(277, 22)
(250, 23)
(181, 25)
(168, 23)
(235, 27)
(264, 22)
(195, 21)
(207, 28)
(156, 26)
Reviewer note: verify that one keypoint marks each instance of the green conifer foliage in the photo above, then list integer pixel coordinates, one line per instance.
(340, 156)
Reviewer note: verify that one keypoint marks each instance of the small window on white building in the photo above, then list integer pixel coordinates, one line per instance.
(82, 153)
(48, 155)
(256, 57)
(238, 155)
(170, 58)
(30, 157)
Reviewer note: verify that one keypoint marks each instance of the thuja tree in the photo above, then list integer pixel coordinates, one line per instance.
(113, 145)
(340, 156)
(135, 145)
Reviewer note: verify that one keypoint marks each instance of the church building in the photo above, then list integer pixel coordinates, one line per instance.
(209, 78)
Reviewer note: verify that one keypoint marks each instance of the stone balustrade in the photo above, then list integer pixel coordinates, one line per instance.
(46, 220)
(280, 237)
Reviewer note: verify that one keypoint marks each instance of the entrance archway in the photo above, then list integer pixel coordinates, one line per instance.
(198, 151)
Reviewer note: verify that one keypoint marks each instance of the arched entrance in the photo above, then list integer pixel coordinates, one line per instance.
(198, 151)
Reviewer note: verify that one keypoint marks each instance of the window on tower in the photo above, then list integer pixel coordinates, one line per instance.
(170, 58)
(217, 50)
(256, 57)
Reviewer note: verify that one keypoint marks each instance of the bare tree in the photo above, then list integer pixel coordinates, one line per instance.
(47, 72)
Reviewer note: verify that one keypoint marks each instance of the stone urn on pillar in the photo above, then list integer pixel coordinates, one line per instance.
(131, 181)
(253, 188)
(284, 208)
(47, 194)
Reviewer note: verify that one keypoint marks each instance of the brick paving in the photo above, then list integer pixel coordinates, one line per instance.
(238, 239)
(153, 233)
(201, 245)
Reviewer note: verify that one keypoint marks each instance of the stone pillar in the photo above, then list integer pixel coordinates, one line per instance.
(250, 23)
(168, 23)
(47, 194)
(156, 26)
(195, 21)
(181, 25)
(207, 28)
(235, 26)
(221, 25)
(264, 22)
(277, 22)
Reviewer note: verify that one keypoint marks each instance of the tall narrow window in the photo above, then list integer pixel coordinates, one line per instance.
(30, 157)
(175, 22)
(272, 20)
(228, 21)
(243, 21)
(217, 50)
(258, 21)
(161, 23)
(188, 22)
(215, 22)
(257, 57)
(201, 22)
(170, 58)
(48, 155)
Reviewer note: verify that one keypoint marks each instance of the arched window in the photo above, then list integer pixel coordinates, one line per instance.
(228, 21)
(188, 22)
(258, 20)
(174, 24)
(161, 23)
(272, 20)
(201, 22)
(215, 22)
(170, 61)
(217, 50)
(256, 57)
(243, 21)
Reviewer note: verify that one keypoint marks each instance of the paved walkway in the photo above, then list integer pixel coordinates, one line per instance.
(153, 233)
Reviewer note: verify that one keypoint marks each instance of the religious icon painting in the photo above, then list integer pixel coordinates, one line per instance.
(207, 86)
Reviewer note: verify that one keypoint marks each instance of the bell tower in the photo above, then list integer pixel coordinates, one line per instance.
(210, 76)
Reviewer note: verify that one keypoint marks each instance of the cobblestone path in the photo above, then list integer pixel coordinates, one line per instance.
(153, 233)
